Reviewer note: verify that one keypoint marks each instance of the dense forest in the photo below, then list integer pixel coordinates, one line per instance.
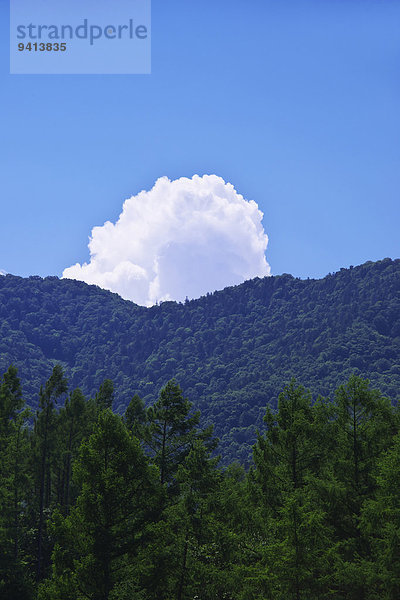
(230, 350)
(100, 506)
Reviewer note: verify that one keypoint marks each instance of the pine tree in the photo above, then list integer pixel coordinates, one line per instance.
(365, 425)
(172, 431)
(73, 425)
(98, 541)
(105, 395)
(136, 417)
(288, 465)
(380, 522)
(198, 479)
(44, 443)
(14, 482)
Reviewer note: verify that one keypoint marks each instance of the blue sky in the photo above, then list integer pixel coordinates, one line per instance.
(296, 103)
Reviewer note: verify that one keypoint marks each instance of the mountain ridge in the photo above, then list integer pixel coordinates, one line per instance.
(231, 351)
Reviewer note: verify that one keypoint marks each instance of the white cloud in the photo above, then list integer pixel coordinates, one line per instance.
(2, 272)
(182, 238)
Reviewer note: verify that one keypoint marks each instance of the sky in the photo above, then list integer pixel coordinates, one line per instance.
(295, 104)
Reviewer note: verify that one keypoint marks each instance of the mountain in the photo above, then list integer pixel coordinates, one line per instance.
(231, 351)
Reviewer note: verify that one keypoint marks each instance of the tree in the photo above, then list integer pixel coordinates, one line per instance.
(365, 425)
(105, 395)
(136, 417)
(97, 542)
(288, 465)
(73, 426)
(172, 431)
(199, 479)
(11, 400)
(44, 429)
(14, 483)
(380, 522)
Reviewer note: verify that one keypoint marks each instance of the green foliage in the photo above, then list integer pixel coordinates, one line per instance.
(14, 482)
(288, 473)
(172, 431)
(381, 524)
(316, 516)
(45, 447)
(97, 541)
(105, 395)
(136, 417)
(231, 351)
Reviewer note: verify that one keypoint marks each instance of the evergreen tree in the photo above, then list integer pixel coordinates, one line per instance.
(73, 426)
(365, 425)
(136, 417)
(287, 460)
(380, 522)
(98, 541)
(105, 395)
(44, 445)
(14, 482)
(198, 478)
(172, 431)
(316, 518)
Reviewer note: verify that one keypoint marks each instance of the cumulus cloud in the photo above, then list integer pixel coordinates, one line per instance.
(181, 239)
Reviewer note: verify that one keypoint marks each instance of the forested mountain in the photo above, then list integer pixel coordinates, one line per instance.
(231, 351)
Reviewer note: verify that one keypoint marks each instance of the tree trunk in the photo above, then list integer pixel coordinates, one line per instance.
(39, 558)
(183, 570)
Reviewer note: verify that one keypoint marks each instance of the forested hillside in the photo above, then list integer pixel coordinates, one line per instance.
(230, 351)
(95, 506)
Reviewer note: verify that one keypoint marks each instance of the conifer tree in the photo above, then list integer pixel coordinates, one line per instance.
(44, 443)
(380, 522)
(73, 425)
(105, 395)
(14, 485)
(172, 431)
(136, 417)
(365, 425)
(98, 541)
(198, 479)
(287, 461)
